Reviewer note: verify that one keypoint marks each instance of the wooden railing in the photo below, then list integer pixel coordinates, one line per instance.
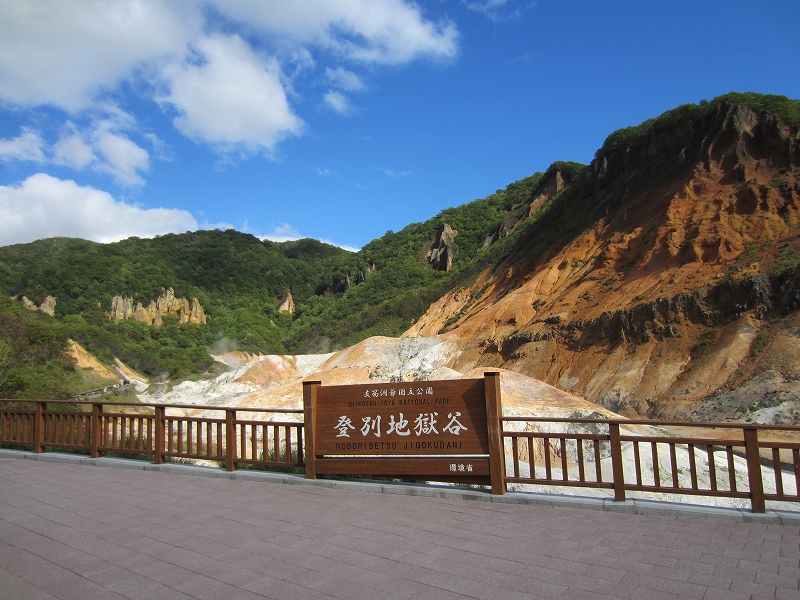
(723, 460)
(730, 460)
(163, 431)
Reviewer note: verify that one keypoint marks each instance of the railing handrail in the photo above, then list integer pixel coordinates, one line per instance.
(623, 421)
(157, 404)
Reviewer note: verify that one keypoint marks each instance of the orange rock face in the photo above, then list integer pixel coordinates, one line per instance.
(676, 293)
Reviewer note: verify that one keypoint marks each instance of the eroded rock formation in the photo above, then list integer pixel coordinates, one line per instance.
(552, 183)
(287, 305)
(48, 307)
(167, 304)
(443, 251)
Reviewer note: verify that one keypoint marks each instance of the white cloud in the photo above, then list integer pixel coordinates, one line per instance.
(72, 150)
(342, 246)
(494, 8)
(102, 146)
(230, 98)
(371, 31)
(344, 79)
(282, 233)
(394, 174)
(338, 102)
(44, 206)
(66, 52)
(122, 159)
(27, 147)
(325, 172)
(74, 54)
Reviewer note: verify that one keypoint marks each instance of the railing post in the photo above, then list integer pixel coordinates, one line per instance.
(310, 390)
(497, 466)
(754, 470)
(158, 444)
(230, 439)
(616, 462)
(97, 426)
(38, 427)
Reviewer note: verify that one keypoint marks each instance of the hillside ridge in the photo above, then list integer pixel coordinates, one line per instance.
(612, 280)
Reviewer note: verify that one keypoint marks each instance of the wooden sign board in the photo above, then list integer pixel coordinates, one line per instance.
(439, 430)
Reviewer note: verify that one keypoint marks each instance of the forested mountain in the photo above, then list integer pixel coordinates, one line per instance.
(583, 236)
(340, 297)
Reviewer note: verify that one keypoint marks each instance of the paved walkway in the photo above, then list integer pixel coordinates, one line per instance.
(77, 531)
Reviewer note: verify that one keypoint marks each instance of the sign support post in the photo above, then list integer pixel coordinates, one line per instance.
(310, 393)
(494, 409)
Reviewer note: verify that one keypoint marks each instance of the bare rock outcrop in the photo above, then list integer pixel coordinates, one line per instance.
(443, 251)
(167, 304)
(149, 315)
(121, 308)
(197, 314)
(287, 306)
(551, 184)
(48, 307)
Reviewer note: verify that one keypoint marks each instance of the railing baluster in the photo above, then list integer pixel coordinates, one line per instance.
(531, 457)
(598, 465)
(637, 463)
(300, 458)
(515, 454)
(776, 469)
(796, 461)
(712, 468)
(581, 468)
(656, 465)
(547, 469)
(564, 466)
(673, 460)
(692, 466)
(731, 469)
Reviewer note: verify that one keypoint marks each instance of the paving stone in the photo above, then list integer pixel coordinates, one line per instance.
(71, 530)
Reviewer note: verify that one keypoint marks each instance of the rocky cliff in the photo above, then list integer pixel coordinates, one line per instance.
(663, 279)
(167, 304)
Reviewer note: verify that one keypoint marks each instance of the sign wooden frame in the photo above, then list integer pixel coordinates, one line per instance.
(430, 430)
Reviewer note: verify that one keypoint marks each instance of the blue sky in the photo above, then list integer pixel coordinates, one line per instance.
(339, 119)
